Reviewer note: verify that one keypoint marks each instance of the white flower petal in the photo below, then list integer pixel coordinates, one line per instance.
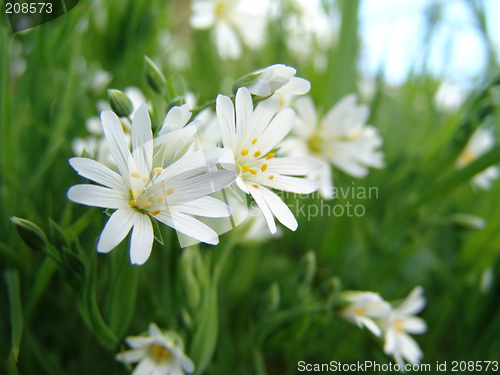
(96, 196)
(278, 128)
(203, 16)
(257, 196)
(413, 304)
(279, 209)
(414, 324)
(371, 325)
(225, 115)
(141, 128)
(206, 207)
(116, 141)
(145, 367)
(290, 184)
(227, 42)
(131, 356)
(306, 112)
(139, 341)
(156, 333)
(189, 226)
(296, 86)
(199, 186)
(99, 173)
(244, 112)
(116, 229)
(390, 341)
(141, 243)
(293, 166)
(410, 349)
(263, 114)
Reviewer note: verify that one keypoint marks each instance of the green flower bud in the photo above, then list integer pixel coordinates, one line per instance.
(154, 76)
(468, 221)
(246, 81)
(270, 300)
(120, 103)
(31, 234)
(307, 268)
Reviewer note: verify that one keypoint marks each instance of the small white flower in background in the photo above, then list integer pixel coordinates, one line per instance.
(147, 189)
(479, 143)
(401, 321)
(278, 79)
(363, 307)
(228, 18)
(251, 140)
(449, 97)
(100, 80)
(158, 354)
(341, 138)
(96, 145)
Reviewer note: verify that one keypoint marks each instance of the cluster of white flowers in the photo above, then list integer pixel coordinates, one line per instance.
(368, 309)
(306, 22)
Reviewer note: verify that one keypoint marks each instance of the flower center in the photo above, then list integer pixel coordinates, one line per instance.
(220, 9)
(315, 143)
(151, 196)
(467, 158)
(160, 353)
(399, 325)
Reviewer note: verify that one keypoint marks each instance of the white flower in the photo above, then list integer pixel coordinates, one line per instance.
(228, 18)
(479, 143)
(157, 354)
(363, 307)
(95, 145)
(340, 138)
(147, 188)
(279, 79)
(402, 320)
(251, 140)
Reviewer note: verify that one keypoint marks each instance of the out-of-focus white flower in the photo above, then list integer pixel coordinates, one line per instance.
(100, 80)
(309, 26)
(340, 138)
(251, 140)
(158, 354)
(147, 188)
(96, 145)
(363, 307)
(479, 143)
(18, 63)
(469, 221)
(401, 321)
(277, 78)
(228, 18)
(449, 97)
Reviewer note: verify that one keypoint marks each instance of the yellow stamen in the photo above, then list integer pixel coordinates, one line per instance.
(159, 200)
(263, 168)
(252, 171)
(255, 186)
(146, 204)
(270, 155)
(271, 177)
(467, 158)
(135, 175)
(257, 153)
(245, 168)
(145, 179)
(158, 170)
(154, 213)
(254, 141)
(160, 353)
(244, 152)
(170, 191)
(133, 192)
(161, 185)
(132, 203)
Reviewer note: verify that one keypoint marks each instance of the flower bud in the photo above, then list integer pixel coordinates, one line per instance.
(31, 234)
(270, 300)
(307, 268)
(120, 103)
(154, 76)
(246, 81)
(468, 221)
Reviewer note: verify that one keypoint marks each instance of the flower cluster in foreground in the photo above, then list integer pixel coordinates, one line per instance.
(158, 354)
(368, 309)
